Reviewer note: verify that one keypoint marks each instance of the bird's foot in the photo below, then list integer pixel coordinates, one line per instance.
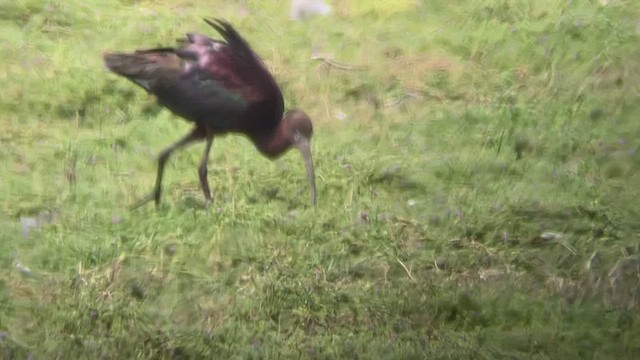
(151, 197)
(207, 202)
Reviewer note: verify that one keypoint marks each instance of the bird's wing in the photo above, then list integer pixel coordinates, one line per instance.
(238, 61)
(175, 78)
(204, 78)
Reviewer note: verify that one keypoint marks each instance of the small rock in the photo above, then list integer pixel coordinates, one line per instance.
(490, 274)
(505, 237)
(24, 271)
(340, 115)
(171, 249)
(301, 9)
(550, 236)
(28, 223)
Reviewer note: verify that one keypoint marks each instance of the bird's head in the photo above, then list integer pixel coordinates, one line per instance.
(300, 130)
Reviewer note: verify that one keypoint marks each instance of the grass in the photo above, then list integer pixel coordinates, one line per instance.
(478, 186)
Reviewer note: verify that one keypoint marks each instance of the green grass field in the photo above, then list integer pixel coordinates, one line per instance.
(478, 185)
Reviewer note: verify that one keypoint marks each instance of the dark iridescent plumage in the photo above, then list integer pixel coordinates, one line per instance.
(222, 87)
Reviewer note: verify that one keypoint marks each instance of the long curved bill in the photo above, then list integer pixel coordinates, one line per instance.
(302, 143)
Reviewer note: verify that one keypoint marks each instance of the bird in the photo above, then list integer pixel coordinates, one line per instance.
(221, 86)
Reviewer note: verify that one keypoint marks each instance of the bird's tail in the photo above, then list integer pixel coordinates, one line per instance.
(144, 68)
(129, 65)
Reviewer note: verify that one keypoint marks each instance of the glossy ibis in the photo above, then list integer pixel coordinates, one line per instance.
(222, 87)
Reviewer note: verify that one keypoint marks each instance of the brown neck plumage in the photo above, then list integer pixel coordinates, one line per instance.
(274, 143)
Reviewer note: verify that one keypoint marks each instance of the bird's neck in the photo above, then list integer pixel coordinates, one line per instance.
(275, 143)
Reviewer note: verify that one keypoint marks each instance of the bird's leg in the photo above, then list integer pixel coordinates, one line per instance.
(202, 169)
(195, 134)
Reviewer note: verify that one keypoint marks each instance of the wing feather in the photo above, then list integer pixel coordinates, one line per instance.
(203, 79)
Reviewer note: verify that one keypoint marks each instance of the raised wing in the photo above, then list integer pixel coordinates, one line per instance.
(239, 45)
(251, 73)
(205, 80)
